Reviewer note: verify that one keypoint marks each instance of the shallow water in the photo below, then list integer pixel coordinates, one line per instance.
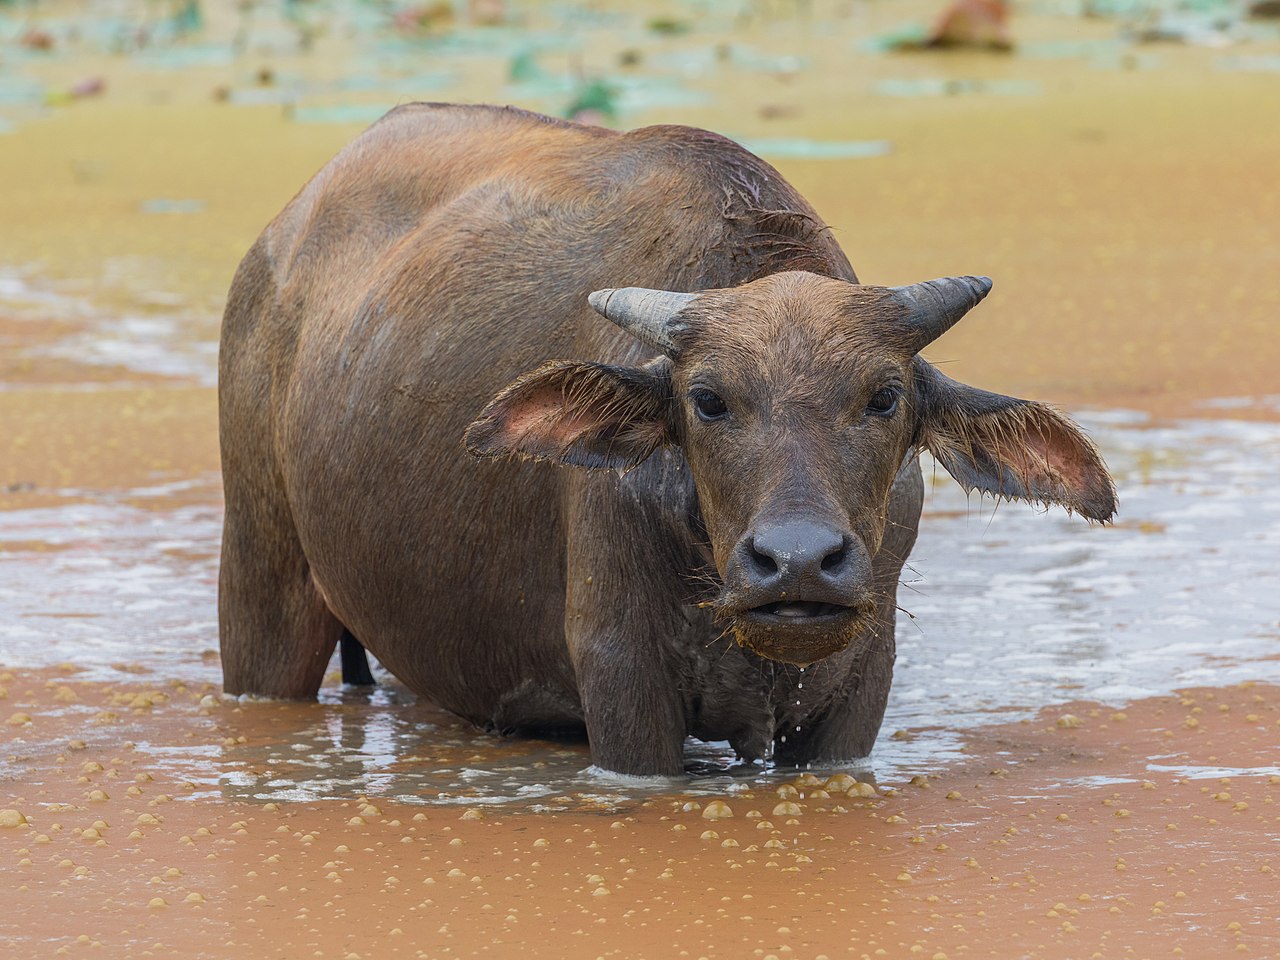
(1007, 609)
(1020, 610)
(1011, 609)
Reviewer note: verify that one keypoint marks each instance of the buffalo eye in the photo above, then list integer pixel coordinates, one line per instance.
(708, 406)
(884, 403)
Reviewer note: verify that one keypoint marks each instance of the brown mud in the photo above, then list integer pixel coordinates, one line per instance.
(1056, 836)
(1130, 217)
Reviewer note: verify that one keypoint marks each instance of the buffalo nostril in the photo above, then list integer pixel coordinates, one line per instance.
(798, 555)
(764, 563)
(834, 560)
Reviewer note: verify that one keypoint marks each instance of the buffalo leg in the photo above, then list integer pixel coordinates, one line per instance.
(634, 719)
(277, 635)
(276, 632)
(633, 725)
(355, 663)
(619, 627)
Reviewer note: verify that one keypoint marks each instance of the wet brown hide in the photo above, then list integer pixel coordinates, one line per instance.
(433, 280)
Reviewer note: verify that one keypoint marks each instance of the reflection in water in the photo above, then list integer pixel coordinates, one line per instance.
(1012, 610)
(388, 744)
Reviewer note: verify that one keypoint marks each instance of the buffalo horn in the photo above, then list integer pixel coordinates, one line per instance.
(647, 315)
(934, 306)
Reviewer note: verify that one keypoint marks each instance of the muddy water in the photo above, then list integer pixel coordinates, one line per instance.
(1086, 831)
(1008, 610)
(1079, 757)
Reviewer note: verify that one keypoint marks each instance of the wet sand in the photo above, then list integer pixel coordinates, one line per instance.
(1129, 217)
(1086, 831)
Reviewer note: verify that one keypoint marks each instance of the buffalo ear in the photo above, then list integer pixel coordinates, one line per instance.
(582, 414)
(1011, 448)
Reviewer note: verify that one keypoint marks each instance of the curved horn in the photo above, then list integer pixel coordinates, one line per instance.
(647, 315)
(933, 307)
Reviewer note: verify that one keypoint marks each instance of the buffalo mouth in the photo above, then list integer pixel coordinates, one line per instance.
(799, 612)
(800, 631)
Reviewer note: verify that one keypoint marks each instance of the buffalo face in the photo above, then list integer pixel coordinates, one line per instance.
(795, 399)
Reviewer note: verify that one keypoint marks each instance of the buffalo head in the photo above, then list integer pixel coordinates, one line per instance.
(795, 399)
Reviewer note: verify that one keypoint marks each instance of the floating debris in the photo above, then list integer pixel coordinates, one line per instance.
(524, 67)
(595, 102)
(804, 148)
(360, 113)
(953, 87)
(972, 24)
(669, 26)
(162, 205)
(425, 19)
(37, 39)
(905, 37)
(1198, 28)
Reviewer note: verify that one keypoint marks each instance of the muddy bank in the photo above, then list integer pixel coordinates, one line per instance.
(1083, 831)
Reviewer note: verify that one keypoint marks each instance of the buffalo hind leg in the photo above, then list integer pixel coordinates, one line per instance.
(277, 634)
(355, 662)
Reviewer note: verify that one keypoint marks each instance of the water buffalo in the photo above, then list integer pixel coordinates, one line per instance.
(434, 440)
